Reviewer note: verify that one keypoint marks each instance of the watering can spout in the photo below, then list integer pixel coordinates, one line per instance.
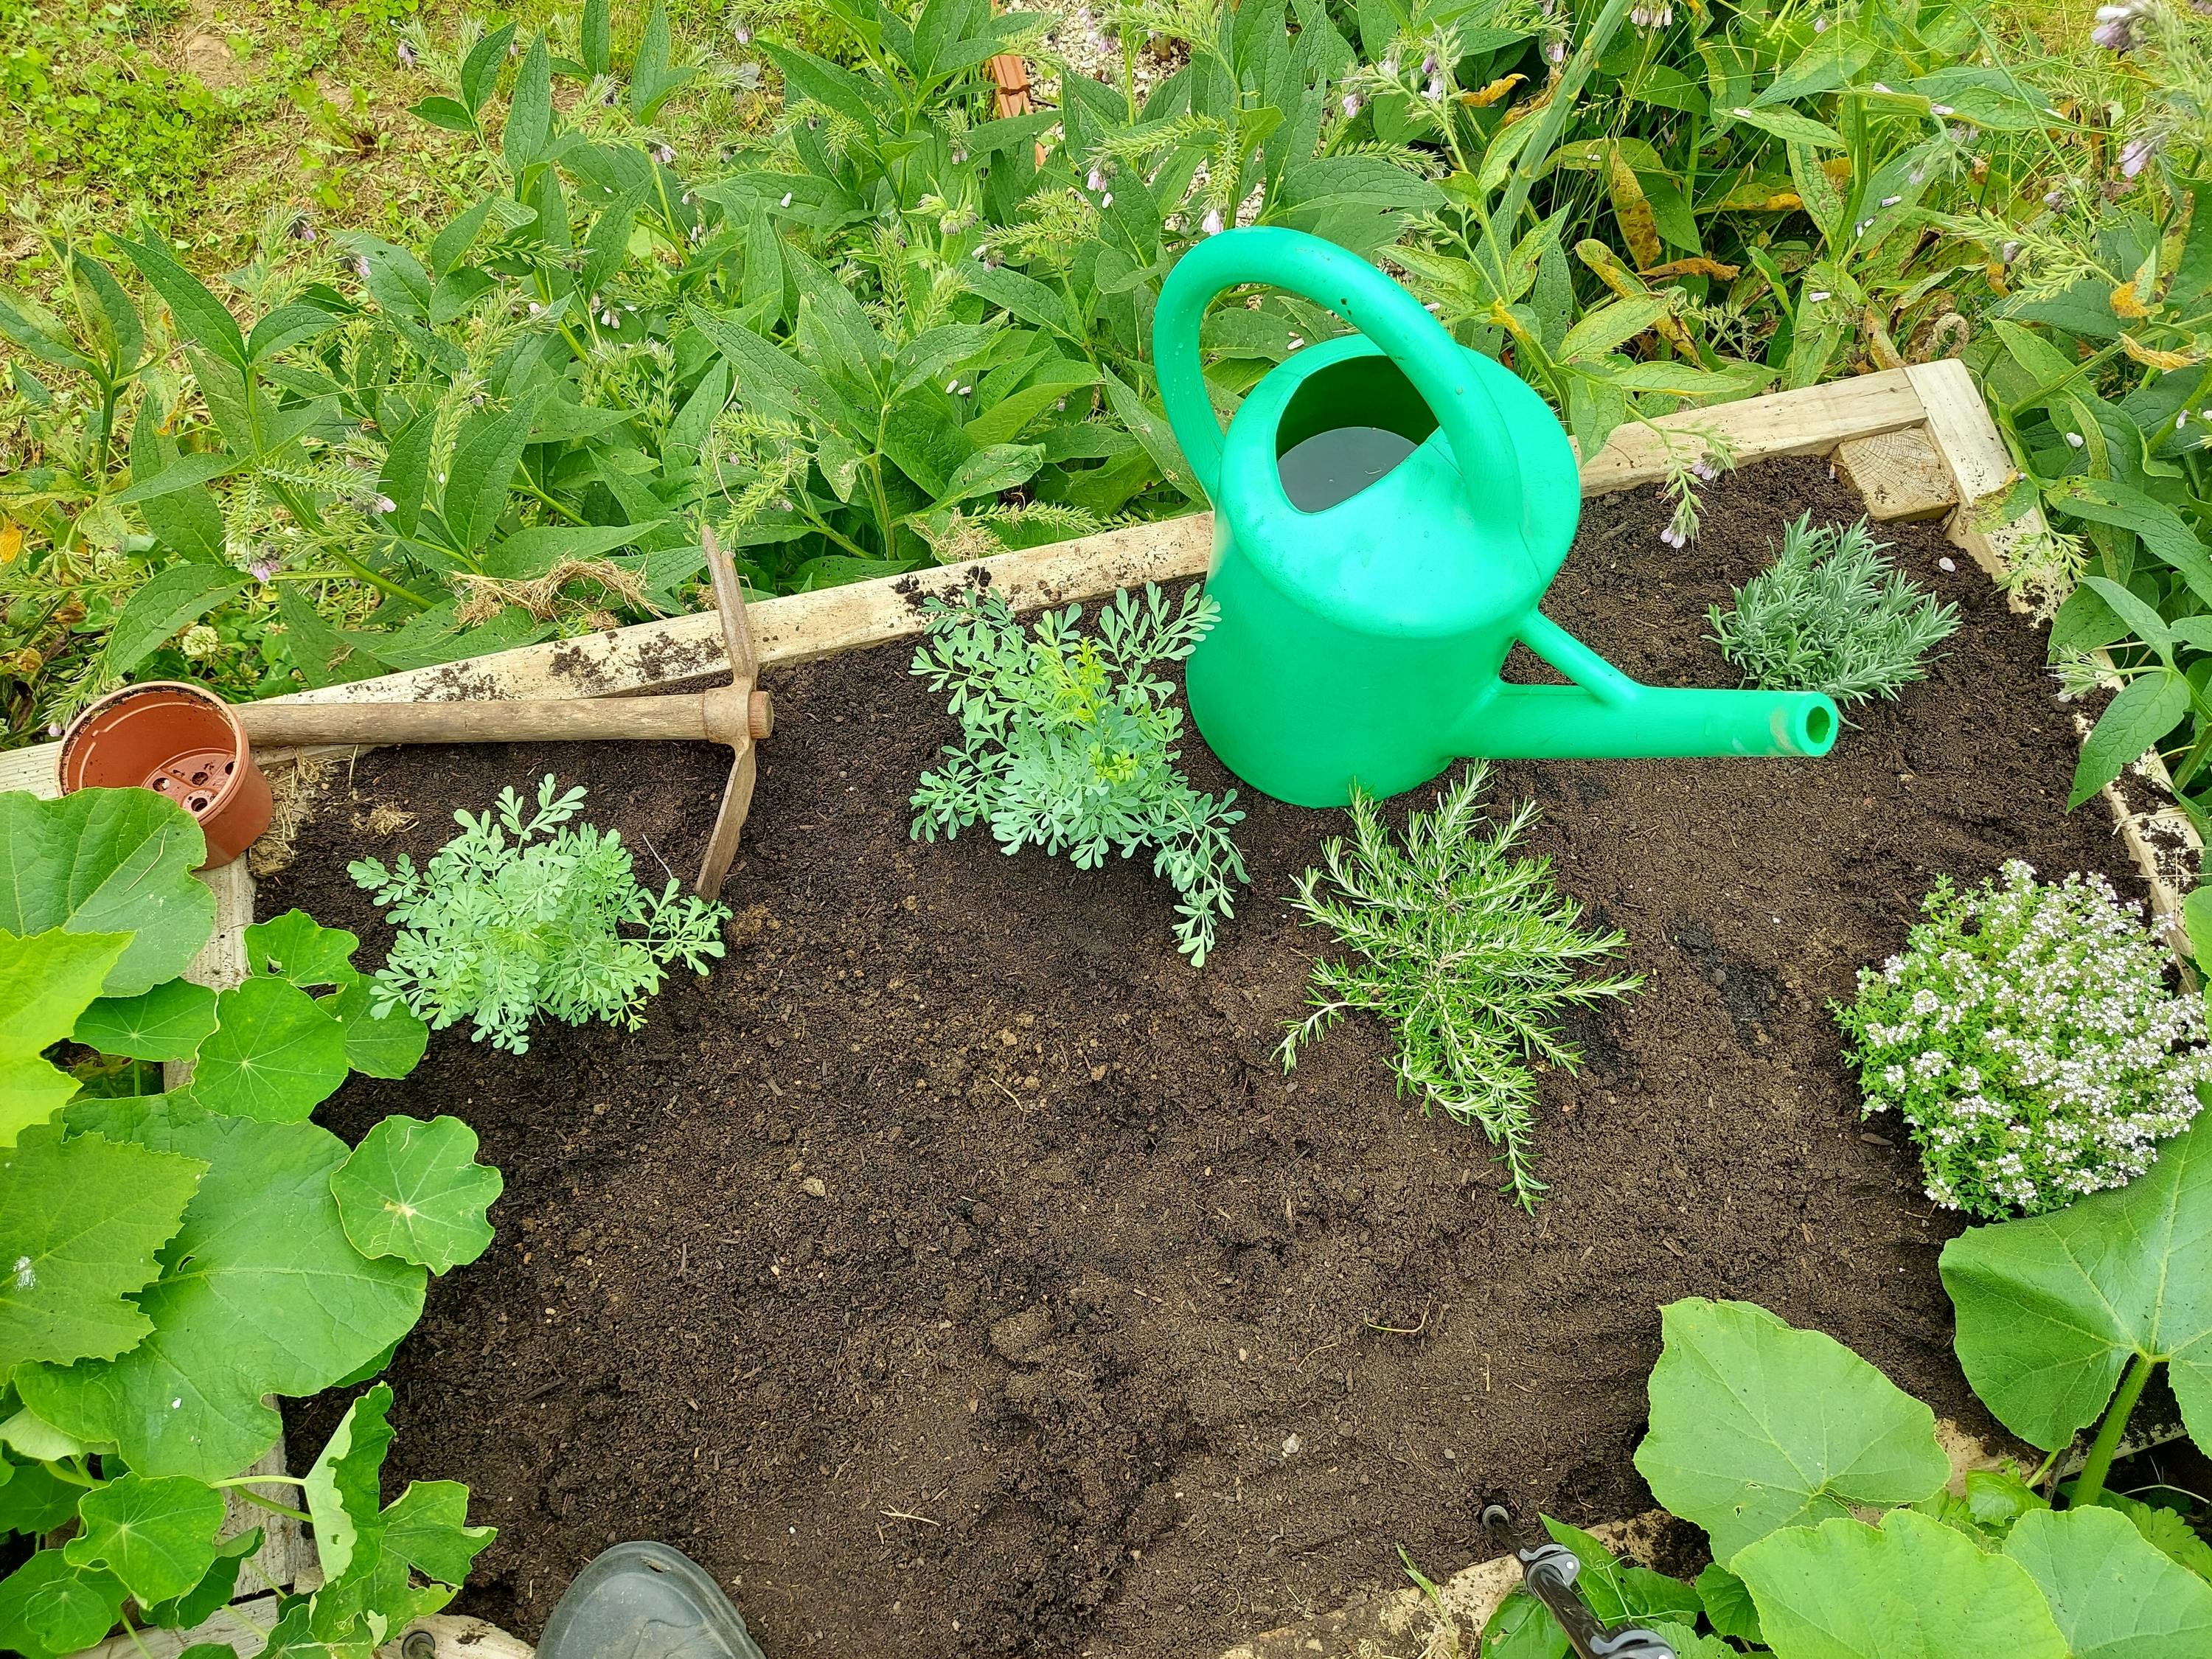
(1605, 715)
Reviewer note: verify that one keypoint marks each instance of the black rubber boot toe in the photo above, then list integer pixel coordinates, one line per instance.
(643, 1600)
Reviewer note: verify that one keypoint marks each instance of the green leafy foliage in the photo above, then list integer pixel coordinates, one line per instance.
(107, 861)
(1831, 614)
(522, 914)
(1909, 1589)
(1467, 952)
(2112, 1595)
(2026, 1037)
(1068, 742)
(2053, 1308)
(414, 1190)
(1742, 1463)
(175, 1259)
(1617, 1591)
(47, 981)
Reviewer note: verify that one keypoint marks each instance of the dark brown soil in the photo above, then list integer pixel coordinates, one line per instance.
(956, 1269)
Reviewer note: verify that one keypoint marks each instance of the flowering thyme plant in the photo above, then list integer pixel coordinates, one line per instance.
(1067, 741)
(2027, 1037)
(501, 930)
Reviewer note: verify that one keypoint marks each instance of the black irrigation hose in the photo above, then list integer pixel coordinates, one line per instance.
(1549, 1570)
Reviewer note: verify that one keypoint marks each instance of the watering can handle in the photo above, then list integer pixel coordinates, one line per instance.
(1371, 303)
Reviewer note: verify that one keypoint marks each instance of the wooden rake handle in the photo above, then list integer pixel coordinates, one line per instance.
(726, 714)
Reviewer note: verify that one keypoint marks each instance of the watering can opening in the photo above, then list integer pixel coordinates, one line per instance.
(1347, 425)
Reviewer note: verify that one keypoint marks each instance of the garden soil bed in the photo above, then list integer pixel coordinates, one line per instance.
(955, 1270)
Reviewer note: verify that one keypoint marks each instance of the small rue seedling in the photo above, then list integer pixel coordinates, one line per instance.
(521, 914)
(1831, 614)
(1067, 741)
(1467, 953)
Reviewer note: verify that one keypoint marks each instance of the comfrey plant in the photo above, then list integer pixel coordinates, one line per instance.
(503, 925)
(1467, 952)
(2026, 1035)
(1067, 740)
(1831, 615)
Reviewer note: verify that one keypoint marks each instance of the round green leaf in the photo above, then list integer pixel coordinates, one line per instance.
(166, 1023)
(157, 1536)
(295, 946)
(415, 1190)
(387, 1045)
(262, 1295)
(1912, 1589)
(108, 862)
(31, 1500)
(215, 1589)
(2051, 1308)
(427, 1528)
(48, 1607)
(80, 1221)
(275, 1055)
(1756, 1424)
(2112, 1595)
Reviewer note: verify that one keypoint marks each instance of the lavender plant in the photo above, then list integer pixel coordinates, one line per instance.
(1067, 741)
(2027, 1037)
(520, 915)
(1831, 614)
(1467, 952)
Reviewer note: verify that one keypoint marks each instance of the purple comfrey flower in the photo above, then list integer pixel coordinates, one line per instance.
(1351, 105)
(1429, 64)
(1098, 179)
(263, 568)
(1705, 468)
(2116, 28)
(664, 154)
(302, 231)
(745, 35)
(360, 268)
(406, 55)
(2008, 252)
(1557, 51)
(2051, 199)
(2135, 155)
(384, 504)
(1673, 537)
(1211, 223)
(1436, 88)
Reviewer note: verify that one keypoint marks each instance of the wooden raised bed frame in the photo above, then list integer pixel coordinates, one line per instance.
(1916, 442)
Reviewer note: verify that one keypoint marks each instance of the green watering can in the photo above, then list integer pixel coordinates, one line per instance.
(1388, 508)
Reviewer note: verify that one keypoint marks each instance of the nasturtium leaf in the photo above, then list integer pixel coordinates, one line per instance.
(157, 1536)
(427, 1527)
(166, 1023)
(1756, 1426)
(215, 1589)
(341, 1488)
(276, 1054)
(2052, 1308)
(263, 1295)
(49, 1607)
(387, 1045)
(295, 946)
(1728, 1603)
(108, 862)
(47, 980)
(415, 1190)
(1911, 1588)
(29, 1434)
(2112, 1595)
(33, 1501)
(80, 1222)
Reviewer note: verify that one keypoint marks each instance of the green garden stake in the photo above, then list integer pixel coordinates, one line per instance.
(1390, 507)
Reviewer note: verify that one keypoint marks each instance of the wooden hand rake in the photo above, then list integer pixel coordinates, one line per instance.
(738, 714)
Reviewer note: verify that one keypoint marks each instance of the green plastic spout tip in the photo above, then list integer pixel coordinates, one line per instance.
(1566, 722)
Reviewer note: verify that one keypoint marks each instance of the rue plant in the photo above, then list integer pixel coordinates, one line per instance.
(521, 914)
(1067, 741)
(2027, 1037)
(1831, 614)
(1466, 951)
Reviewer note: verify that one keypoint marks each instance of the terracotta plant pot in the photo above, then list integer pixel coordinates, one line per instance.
(180, 741)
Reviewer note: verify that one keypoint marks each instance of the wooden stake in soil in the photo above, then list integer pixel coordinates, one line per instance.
(738, 714)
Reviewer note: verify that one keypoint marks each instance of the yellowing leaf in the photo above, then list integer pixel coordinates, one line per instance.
(1699, 266)
(1491, 93)
(2151, 357)
(11, 541)
(2124, 303)
(1638, 227)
